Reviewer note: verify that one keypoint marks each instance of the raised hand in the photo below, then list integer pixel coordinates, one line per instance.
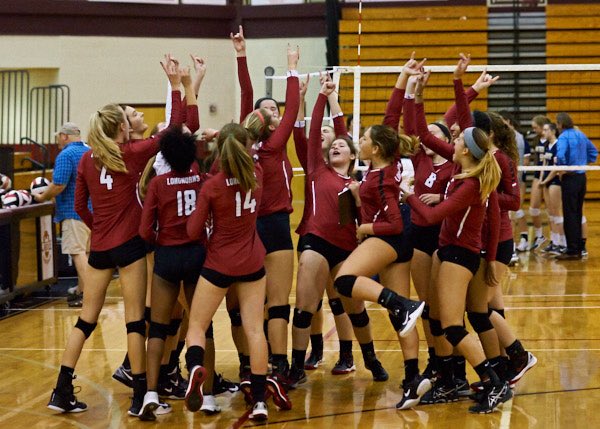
(413, 67)
(239, 43)
(293, 56)
(171, 68)
(199, 66)
(327, 88)
(461, 67)
(422, 80)
(184, 73)
(304, 86)
(484, 81)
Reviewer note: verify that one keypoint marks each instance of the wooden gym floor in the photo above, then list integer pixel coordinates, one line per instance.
(554, 308)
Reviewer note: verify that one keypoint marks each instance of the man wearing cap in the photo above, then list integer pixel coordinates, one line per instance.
(75, 234)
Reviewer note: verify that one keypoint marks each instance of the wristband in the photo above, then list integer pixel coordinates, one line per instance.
(292, 73)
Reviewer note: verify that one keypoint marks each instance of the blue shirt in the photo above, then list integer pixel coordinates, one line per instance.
(65, 173)
(574, 148)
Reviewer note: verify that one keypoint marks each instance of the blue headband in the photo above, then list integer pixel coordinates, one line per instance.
(475, 150)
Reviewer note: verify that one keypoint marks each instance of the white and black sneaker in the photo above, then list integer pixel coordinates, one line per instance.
(410, 315)
(259, 412)
(209, 405)
(538, 242)
(493, 396)
(149, 406)
(523, 245)
(413, 391)
(123, 375)
(66, 402)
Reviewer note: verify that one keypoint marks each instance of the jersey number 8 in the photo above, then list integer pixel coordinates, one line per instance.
(249, 203)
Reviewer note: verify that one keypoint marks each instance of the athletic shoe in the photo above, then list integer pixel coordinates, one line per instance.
(135, 410)
(149, 406)
(76, 302)
(193, 394)
(514, 260)
(462, 387)
(493, 396)
(123, 375)
(66, 402)
(344, 365)
(222, 385)
(413, 391)
(163, 408)
(538, 242)
(378, 371)
(280, 397)
(176, 378)
(584, 253)
(209, 405)
(171, 391)
(523, 245)
(246, 388)
(407, 315)
(314, 360)
(259, 412)
(296, 377)
(430, 371)
(72, 292)
(520, 366)
(440, 394)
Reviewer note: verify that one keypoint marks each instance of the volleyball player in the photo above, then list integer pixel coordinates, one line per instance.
(269, 134)
(108, 174)
(345, 363)
(235, 256)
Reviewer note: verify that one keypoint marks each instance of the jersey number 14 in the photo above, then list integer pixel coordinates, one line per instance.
(249, 203)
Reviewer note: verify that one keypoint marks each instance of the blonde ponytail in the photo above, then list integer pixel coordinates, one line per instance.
(235, 160)
(147, 175)
(104, 129)
(487, 169)
(257, 124)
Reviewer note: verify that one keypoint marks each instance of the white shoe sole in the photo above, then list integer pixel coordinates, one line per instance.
(530, 364)
(412, 320)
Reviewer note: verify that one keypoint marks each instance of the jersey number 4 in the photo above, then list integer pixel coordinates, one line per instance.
(186, 202)
(106, 179)
(249, 203)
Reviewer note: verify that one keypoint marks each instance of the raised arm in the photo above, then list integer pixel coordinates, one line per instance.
(483, 82)
(192, 120)
(439, 146)
(280, 136)
(315, 153)
(82, 195)
(299, 133)
(247, 93)
(393, 110)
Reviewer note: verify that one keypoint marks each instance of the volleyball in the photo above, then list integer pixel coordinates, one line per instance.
(39, 185)
(16, 199)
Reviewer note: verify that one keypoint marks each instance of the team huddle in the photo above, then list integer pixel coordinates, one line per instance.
(221, 229)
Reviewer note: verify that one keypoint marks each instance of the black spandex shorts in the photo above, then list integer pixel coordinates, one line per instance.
(224, 281)
(274, 232)
(460, 256)
(400, 243)
(425, 238)
(505, 251)
(333, 254)
(181, 263)
(120, 256)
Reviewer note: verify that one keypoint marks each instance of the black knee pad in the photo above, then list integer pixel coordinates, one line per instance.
(480, 322)
(158, 330)
(336, 306)
(280, 312)
(359, 320)
(435, 326)
(302, 319)
(320, 305)
(425, 314)
(344, 285)
(173, 327)
(500, 311)
(235, 316)
(455, 334)
(147, 314)
(210, 333)
(85, 327)
(137, 327)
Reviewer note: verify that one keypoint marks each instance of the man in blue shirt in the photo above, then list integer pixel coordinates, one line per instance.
(573, 148)
(75, 234)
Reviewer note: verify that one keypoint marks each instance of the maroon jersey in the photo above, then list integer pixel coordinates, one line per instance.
(272, 156)
(117, 212)
(234, 248)
(393, 110)
(247, 92)
(170, 200)
(324, 186)
(461, 214)
(490, 232)
(509, 196)
(451, 115)
(380, 200)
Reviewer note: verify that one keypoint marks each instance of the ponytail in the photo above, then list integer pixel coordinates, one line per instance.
(391, 143)
(235, 160)
(104, 129)
(257, 124)
(487, 169)
(147, 175)
(504, 137)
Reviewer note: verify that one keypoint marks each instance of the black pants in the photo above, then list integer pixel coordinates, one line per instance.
(573, 193)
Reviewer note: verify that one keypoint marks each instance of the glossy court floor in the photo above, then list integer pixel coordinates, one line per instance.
(553, 306)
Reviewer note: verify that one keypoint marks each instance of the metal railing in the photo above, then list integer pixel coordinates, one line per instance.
(14, 87)
(49, 108)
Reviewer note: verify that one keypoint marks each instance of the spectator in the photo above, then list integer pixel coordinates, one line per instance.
(75, 234)
(573, 148)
